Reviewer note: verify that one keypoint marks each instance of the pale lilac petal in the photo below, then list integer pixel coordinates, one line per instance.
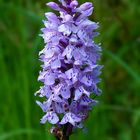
(69, 73)
(68, 52)
(85, 91)
(53, 5)
(56, 64)
(67, 18)
(85, 6)
(65, 29)
(78, 94)
(47, 24)
(85, 10)
(87, 80)
(51, 17)
(44, 119)
(71, 118)
(53, 118)
(87, 24)
(48, 104)
(72, 74)
(65, 92)
(57, 99)
(77, 62)
(73, 4)
(50, 117)
(48, 34)
(85, 101)
(44, 91)
(88, 12)
(50, 79)
(75, 118)
(45, 105)
(73, 39)
(42, 76)
(59, 108)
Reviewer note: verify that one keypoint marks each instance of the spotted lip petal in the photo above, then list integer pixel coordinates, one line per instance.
(65, 92)
(50, 117)
(71, 118)
(87, 80)
(79, 92)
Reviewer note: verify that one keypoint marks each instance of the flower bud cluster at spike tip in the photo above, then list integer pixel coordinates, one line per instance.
(70, 70)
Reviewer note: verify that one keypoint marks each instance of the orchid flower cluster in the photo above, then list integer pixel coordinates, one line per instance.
(70, 69)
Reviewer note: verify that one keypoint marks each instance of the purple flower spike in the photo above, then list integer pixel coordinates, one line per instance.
(70, 70)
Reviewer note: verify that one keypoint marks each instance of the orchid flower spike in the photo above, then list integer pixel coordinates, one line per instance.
(70, 70)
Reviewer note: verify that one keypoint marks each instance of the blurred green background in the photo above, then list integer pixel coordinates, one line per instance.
(117, 117)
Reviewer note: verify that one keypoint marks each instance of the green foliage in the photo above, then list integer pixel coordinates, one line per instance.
(117, 117)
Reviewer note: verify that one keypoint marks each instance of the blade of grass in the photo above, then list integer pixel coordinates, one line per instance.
(129, 70)
(18, 132)
(21, 10)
